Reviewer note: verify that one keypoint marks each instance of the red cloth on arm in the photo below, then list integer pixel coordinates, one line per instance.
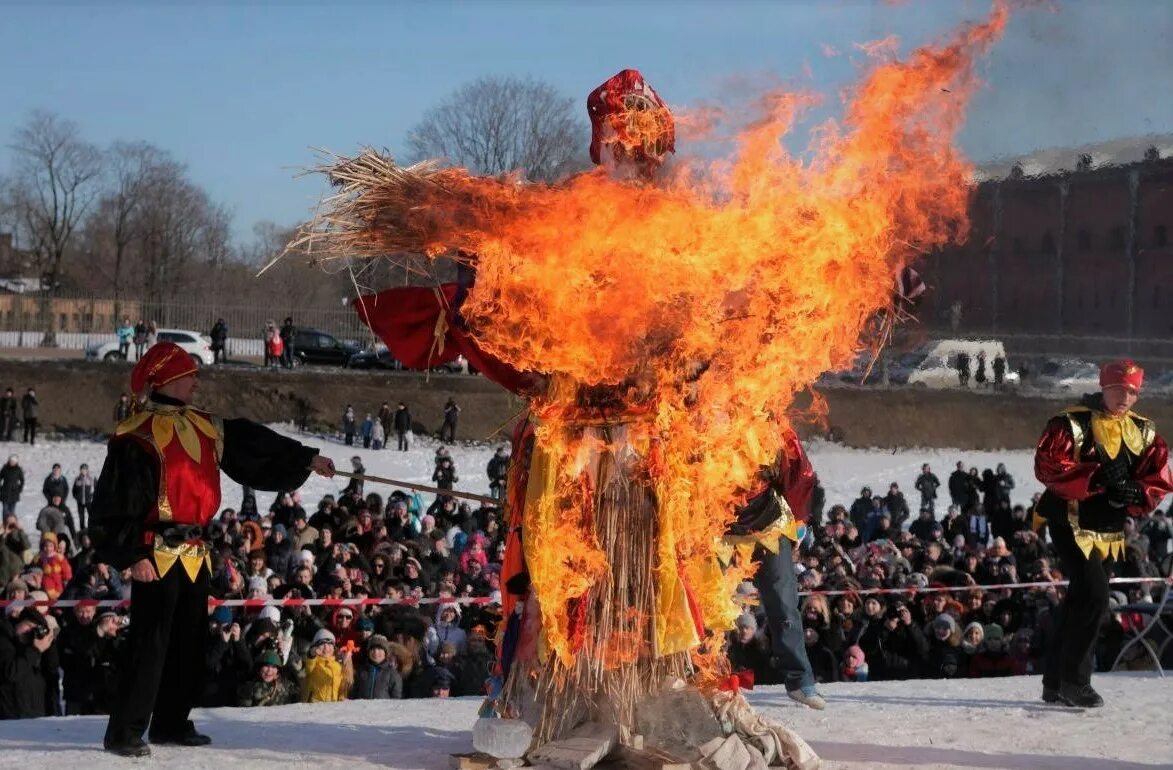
(796, 476)
(1152, 473)
(1056, 466)
(406, 320)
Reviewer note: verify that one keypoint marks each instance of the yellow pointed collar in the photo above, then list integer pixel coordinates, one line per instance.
(1112, 432)
(168, 423)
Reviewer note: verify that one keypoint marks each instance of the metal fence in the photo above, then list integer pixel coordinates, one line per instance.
(78, 320)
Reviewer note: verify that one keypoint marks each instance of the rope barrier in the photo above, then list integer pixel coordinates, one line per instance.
(484, 600)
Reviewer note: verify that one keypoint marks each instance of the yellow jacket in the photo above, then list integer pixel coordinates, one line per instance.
(326, 680)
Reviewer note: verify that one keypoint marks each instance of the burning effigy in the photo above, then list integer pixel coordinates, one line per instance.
(660, 319)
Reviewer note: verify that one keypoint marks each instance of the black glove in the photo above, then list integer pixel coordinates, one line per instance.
(1125, 494)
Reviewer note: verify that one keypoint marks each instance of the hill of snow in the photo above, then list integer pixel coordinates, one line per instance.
(953, 724)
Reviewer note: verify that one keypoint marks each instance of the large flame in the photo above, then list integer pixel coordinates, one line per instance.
(717, 295)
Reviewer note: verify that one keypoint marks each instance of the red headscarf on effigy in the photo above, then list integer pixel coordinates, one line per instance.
(165, 362)
(1125, 372)
(627, 111)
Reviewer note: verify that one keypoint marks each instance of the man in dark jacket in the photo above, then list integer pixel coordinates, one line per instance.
(377, 677)
(31, 409)
(24, 640)
(861, 509)
(56, 485)
(287, 335)
(927, 484)
(897, 506)
(959, 486)
(228, 660)
(11, 485)
(89, 653)
(7, 415)
(451, 415)
(83, 494)
(402, 425)
(895, 648)
(279, 551)
(498, 472)
(122, 408)
(219, 337)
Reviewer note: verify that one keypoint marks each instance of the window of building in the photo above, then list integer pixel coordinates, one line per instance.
(1083, 239)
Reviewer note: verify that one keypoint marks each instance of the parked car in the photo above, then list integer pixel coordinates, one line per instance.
(379, 358)
(199, 345)
(1067, 375)
(311, 346)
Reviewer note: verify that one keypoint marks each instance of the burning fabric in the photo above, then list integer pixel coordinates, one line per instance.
(660, 319)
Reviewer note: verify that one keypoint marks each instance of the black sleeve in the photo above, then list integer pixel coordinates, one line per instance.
(261, 459)
(126, 491)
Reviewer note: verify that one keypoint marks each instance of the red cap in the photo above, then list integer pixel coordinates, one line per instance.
(1125, 372)
(165, 362)
(627, 111)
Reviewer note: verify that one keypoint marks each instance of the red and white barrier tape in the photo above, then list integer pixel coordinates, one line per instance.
(480, 600)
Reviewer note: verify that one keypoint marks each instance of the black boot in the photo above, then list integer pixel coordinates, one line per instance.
(129, 747)
(185, 736)
(1079, 696)
(1050, 694)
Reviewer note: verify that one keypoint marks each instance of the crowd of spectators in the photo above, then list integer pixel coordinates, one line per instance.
(359, 544)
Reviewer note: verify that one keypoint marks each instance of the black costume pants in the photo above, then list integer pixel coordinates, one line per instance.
(164, 673)
(1069, 660)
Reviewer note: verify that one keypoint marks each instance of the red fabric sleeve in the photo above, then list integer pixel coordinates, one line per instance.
(1152, 473)
(1056, 467)
(406, 320)
(796, 476)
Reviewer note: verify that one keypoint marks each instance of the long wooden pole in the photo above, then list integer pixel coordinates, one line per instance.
(419, 487)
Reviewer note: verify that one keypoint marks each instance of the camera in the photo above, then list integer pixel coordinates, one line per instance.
(40, 632)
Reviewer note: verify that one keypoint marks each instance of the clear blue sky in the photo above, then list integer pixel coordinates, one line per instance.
(240, 91)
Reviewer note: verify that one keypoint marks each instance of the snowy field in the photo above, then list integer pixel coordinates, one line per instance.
(988, 723)
(843, 471)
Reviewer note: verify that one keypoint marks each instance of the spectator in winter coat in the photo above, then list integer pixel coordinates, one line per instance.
(498, 471)
(897, 506)
(475, 664)
(401, 421)
(24, 642)
(13, 545)
(125, 333)
(992, 658)
(348, 425)
(367, 430)
(227, 659)
(378, 435)
(927, 484)
(855, 665)
(122, 408)
(444, 475)
(824, 664)
(52, 519)
(922, 528)
(959, 486)
(270, 686)
(90, 647)
(30, 413)
(83, 494)
(895, 648)
(287, 335)
(8, 415)
(55, 485)
(447, 629)
(861, 509)
(219, 337)
(279, 551)
(451, 415)
(377, 678)
(946, 659)
(11, 485)
(55, 568)
(327, 678)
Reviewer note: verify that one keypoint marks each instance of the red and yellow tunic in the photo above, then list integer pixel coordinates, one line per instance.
(188, 444)
(1068, 456)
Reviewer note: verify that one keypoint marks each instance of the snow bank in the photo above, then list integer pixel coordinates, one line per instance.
(987, 723)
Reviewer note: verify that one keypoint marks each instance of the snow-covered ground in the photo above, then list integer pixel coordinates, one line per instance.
(842, 470)
(987, 723)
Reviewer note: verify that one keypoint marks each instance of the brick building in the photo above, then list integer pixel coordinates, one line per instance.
(1064, 262)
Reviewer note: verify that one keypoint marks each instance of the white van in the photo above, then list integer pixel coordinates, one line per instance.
(938, 367)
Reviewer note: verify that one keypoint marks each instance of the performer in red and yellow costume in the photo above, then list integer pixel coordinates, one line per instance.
(1101, 463)
(159, 489)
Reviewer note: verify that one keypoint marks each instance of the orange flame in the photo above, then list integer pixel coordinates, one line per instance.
(718, 294)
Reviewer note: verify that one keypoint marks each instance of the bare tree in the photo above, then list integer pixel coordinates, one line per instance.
(55, 179)
(495, 125)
